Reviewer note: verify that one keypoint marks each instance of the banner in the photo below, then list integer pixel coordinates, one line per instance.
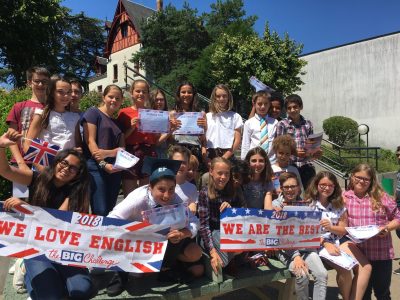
(83, 240)
(257, 229)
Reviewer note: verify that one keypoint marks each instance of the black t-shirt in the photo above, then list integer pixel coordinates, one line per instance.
(56, 195)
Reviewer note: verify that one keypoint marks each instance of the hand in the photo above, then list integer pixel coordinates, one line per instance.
(12, 202)
(332, 249)
(9, 138)
(299, 266)
(78, 149)
(134, 122)
(383, 231)
(223, 206)
(202, 122)
(277, 208)
(326, 224)
(99, 154)
(175, 236)
(174, 124)
(216, 261)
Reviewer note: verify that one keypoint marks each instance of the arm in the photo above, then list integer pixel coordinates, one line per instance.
(268, 200)
(22, 176)
(245, 140)
(90, 132)
(78, 138)
(14, 149)
(339, 229)
(236, 143)
(33, 131)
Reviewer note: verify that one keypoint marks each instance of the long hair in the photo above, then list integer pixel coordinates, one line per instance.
(213, 106)
(44, 189)
(228, 190)
(311, 193)
(193, 105)
(50, 100)
(266, 174)
(374, 190)
(153, 97)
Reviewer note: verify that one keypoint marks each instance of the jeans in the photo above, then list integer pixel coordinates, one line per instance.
(380, 280)
(307, 172)
(320, 274)
(47, 281)
(104, 189)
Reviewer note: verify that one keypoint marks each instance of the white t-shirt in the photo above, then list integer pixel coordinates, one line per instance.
(61, 129)
(141, 200)
(187, 192)
(221, 128)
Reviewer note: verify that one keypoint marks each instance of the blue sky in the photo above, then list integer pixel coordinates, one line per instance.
(317, 24)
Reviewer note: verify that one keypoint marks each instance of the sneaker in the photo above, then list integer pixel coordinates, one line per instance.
(117, 284)
(397, 271)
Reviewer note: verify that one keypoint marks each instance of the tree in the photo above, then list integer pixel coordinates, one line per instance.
(171, 38)
(228, 17)
(272, 60)
(44, 33)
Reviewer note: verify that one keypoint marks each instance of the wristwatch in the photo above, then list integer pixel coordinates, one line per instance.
(102, 164)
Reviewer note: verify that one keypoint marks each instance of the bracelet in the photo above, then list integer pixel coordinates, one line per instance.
(102, 164)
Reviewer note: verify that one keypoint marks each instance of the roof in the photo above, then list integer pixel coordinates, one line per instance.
(137, 13)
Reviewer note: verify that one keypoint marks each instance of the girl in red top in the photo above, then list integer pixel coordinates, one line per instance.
(140, 144)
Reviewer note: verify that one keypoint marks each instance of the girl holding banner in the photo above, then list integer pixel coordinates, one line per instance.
(213, 199)
(65, 186)
(301, 261)
(147, 200)
(325, 195)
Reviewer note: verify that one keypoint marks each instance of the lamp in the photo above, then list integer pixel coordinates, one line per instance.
(363, 129)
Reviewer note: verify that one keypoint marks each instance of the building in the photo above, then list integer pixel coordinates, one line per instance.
(361, 81)
(123, 40)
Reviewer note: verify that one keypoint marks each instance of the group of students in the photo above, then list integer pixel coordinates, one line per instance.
(273, 172)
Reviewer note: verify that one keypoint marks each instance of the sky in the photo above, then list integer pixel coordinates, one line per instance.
(317, 24)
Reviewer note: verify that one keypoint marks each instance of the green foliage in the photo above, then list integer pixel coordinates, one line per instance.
(340, 130)
(45, 33)
(171, 38)
(7, 100)
(90, 99)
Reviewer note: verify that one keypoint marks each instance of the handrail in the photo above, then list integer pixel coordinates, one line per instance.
(152, 82)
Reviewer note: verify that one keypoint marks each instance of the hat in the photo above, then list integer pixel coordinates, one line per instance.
(160, 167)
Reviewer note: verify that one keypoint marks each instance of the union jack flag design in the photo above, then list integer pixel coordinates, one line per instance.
(41, 152)
(82, 240)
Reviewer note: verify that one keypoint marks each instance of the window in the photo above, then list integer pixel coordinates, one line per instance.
(124, 29)
(99, 88)
(115, 78)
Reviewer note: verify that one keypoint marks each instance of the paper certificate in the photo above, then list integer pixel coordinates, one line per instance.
(362, 233)
(189, 123)
(343, 260)
(175, 215)
(153, 121)
(124, 160)
(313, 142)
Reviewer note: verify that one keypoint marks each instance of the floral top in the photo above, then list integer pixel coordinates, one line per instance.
(360, 213)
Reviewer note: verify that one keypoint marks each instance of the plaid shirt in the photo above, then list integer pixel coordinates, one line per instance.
(360, 213)
(209, 215)
(299, 132)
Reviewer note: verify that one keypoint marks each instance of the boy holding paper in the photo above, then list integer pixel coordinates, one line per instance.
(160, 192)
(300, 129)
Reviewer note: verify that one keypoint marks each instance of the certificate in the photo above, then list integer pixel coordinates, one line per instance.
(124, 160)
(175, 215)
(189, 123)
(343, 260)
(362, 233)
(153, 121)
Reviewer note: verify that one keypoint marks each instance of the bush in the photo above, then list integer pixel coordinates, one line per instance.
(7, 100)
(340, 130)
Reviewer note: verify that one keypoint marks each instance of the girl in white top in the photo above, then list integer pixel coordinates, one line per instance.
(55, 123)
(325, 195)
(223, 125)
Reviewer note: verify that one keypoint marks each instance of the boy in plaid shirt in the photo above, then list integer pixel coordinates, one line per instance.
(299, 129)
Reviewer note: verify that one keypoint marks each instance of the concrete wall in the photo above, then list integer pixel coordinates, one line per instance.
(117, 58)
(360, 81)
